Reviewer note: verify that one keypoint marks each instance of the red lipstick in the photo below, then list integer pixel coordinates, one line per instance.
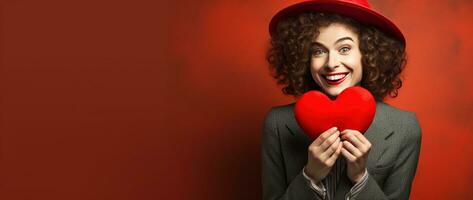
(335, 81)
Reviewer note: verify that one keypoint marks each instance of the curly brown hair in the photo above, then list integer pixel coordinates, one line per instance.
(383, 57)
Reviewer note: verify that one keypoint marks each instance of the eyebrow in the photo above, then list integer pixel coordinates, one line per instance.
(338, 41)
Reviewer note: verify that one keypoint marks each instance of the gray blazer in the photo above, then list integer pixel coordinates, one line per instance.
(395, 136)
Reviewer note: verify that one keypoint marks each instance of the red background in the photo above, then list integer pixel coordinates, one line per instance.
(165, 100)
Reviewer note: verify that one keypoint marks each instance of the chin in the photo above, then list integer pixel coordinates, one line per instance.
(334, 92)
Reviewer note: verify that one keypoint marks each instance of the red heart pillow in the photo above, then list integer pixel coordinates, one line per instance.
(354, 108)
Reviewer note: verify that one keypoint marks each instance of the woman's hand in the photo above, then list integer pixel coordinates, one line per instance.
(355, 149)
(322, 154)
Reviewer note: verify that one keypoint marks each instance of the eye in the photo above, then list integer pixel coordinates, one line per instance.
(344, 50)
(318, 52)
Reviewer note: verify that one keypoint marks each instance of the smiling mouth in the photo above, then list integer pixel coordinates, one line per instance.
(336, 78)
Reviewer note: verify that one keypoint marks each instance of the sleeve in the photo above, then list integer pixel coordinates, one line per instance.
(358, 186)
(399, 181)
(274, 183)
(319, 188)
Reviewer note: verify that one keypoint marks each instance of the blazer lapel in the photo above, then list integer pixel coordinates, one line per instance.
(294, 127)
(379, 131)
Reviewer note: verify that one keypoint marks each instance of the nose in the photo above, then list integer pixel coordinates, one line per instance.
(333, 61)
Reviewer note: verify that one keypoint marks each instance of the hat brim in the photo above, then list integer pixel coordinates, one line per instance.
(362, 14)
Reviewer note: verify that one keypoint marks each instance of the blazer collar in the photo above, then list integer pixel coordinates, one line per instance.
(380, 128)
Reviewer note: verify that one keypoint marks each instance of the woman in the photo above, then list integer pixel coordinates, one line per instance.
(330, 45)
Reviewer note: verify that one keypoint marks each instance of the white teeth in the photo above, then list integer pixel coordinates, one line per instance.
(335, 77)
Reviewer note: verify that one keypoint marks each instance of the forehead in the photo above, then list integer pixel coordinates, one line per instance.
(331, 33)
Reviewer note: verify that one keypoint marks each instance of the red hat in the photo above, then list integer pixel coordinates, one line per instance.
(359, 10)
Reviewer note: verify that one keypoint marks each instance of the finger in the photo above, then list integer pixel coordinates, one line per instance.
(328, 142)
(350, 136)
(348, 155)
(329, 151)
(326, 134)
(331, 160)
(366, 143)
(360, 137)
(352, 149)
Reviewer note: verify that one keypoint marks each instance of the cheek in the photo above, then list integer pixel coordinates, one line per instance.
(356, 67)
(315, 65)
(358, 74)
(315, 68)
(359, 70)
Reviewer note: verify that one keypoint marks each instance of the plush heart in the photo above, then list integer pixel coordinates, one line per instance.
(354, 109)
